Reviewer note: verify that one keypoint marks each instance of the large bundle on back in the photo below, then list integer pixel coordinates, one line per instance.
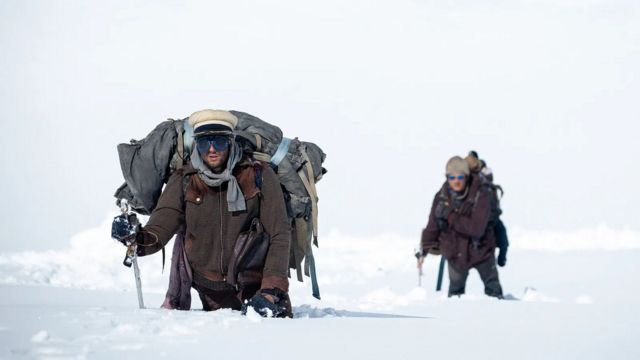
(148, 163)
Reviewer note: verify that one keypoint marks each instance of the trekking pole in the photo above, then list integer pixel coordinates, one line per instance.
(418, 255)
(440, 273)
(131, 258)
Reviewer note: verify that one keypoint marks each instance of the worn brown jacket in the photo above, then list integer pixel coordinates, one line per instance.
(466, 225)
(211, 230)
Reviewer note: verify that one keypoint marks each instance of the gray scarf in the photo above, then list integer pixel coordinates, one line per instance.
(235, 198)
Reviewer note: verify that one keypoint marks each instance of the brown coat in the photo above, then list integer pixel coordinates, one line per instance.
(212, 231)
(467, 238)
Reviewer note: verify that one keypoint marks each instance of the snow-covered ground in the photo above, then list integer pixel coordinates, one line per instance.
(578, 303)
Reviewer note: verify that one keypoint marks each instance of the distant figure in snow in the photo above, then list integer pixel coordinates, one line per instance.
(461, 226)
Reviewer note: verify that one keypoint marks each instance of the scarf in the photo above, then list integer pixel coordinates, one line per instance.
(235, 198)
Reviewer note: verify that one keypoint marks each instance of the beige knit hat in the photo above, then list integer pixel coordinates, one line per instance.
(457, 165)
(212, 121)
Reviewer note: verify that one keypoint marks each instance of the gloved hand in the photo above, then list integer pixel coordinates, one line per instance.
(443, 224)
(442, 215)
(124, 228)
(269, 303)
(502, 258)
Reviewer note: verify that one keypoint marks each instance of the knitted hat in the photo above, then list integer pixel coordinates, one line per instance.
(457, 165)
(212, 121)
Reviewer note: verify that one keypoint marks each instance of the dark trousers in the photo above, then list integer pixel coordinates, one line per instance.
(488, 273)
(223, 296)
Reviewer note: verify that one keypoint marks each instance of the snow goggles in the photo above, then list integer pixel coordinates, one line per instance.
(452, 177)
(219, 143)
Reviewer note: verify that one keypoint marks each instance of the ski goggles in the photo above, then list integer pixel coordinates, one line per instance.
(219, 143)
(459, 177)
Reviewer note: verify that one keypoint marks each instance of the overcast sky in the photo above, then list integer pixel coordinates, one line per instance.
(546, 91)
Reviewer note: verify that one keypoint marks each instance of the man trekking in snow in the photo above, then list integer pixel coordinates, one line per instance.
(237, 233)
(461, 227)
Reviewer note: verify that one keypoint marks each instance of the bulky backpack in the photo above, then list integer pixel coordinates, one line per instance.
(479, 167)
(147, 165)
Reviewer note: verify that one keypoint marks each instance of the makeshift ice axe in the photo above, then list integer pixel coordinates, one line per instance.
(127, 237)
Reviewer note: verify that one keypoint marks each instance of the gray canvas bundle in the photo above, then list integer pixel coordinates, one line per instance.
(146, 166)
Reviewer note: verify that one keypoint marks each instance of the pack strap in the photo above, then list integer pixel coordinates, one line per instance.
(180, 164)
(187, 136)
(303, 232)
(302, 237)
(315, 289)
(258, 142)
(260, 156)
(310, 184)
(280, 153)
(184, 141)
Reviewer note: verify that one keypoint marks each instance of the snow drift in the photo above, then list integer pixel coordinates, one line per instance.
(577, 301)
(94, 261)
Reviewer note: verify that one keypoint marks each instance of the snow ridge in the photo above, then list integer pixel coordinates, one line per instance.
(94, 261)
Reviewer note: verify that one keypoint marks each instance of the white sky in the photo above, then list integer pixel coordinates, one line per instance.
(546, 91)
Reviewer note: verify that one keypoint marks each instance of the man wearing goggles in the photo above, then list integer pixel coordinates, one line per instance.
(214, 150)
(237, 233)
(461, 228)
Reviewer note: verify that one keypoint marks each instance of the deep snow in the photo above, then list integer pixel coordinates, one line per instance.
(580, 302)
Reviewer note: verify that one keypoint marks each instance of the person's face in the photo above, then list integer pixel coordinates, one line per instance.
(214, 150)
(457, 182)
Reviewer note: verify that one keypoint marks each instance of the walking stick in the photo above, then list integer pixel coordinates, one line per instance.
(418, 255)
(440, 273)
(131, 258)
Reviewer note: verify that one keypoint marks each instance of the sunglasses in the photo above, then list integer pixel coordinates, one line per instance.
(459, 177)
(219, 142)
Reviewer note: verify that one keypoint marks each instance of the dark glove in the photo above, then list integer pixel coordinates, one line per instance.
(502, 258)
(259, 302)
(124, 228)
(442, 213)
(443, 224)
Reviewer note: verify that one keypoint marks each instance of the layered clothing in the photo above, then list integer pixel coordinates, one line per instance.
(211, 228)
(461, 226)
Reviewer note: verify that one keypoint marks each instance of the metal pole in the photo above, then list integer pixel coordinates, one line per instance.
(136, 273)
(131, 258)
